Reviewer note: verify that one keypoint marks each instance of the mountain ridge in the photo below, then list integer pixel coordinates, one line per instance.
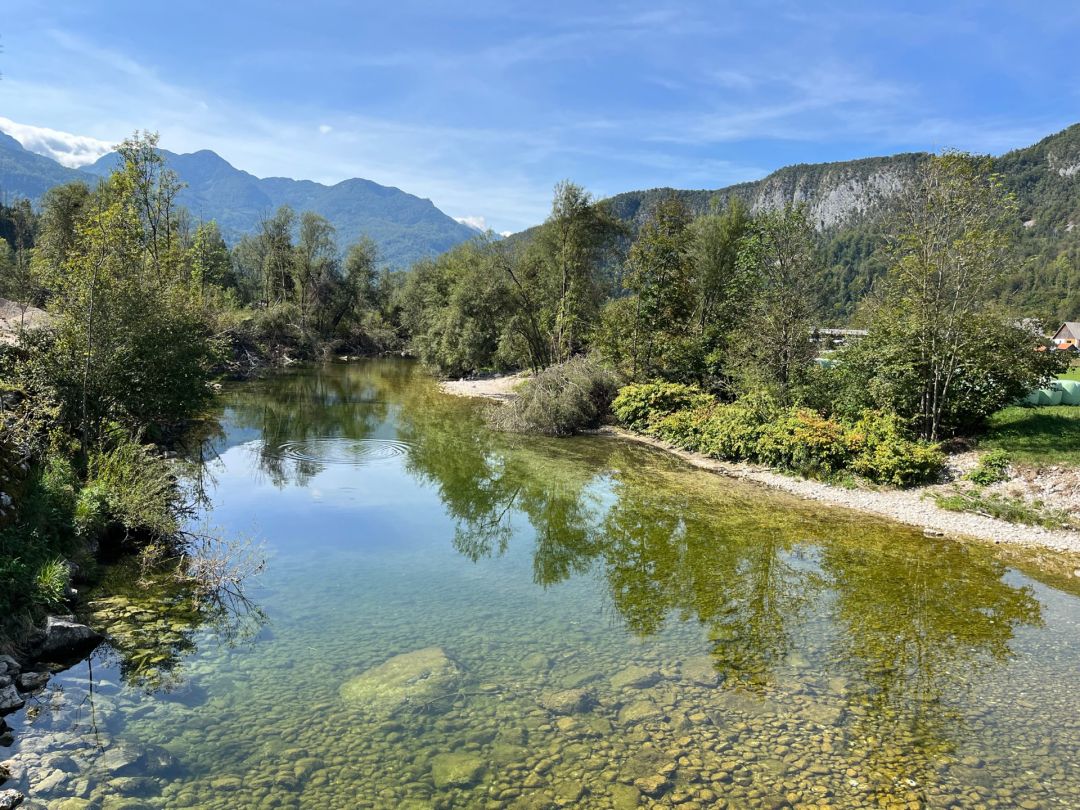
(404, 226)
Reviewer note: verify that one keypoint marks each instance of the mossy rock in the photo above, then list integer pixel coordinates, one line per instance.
(419, 678)
(456, 769)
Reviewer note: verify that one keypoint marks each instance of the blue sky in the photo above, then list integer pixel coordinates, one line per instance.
(483, 106)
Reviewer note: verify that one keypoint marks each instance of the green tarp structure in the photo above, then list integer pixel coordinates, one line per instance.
(1049, 396)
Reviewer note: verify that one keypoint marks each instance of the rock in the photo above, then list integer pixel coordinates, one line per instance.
(64, 640)
(536, 661)
(639, 710)
(652, 786)
(458, 769)
(624, 797)
(73, 804)
(119, 760)
(567, 701)
(634, 677)
(416, 678)
(10, 799)
(701, 670)
(10, 700)
(32, 681)
(9, 666)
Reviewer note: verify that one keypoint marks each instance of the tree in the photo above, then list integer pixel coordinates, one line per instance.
(948, 356)
(208, 256)
(661, 282)
(128, 344)
(772, 349)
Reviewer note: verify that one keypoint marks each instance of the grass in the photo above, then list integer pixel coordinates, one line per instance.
(1011, 510)
(1045, 435)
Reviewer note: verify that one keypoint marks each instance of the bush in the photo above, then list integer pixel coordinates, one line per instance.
(805, 441)
(136, 487)
(560, 400)
(640, 405)
(885, 453)
(993, 468)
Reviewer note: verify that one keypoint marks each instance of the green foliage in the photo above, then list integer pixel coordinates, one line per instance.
(884, 452)
(50, 582)
(137, 488)
(561, 400)
(875, 446)
(640, 405)
(992, 468)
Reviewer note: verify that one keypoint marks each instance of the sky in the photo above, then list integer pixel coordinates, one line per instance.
(483, 107)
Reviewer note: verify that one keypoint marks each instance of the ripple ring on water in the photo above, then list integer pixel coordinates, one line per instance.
(342, 451)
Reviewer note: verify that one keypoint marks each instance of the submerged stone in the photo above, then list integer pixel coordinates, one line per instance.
(635, 677)
(456, 769)
(416, 678)
(701, 670)
(567, 701)
(639, 710)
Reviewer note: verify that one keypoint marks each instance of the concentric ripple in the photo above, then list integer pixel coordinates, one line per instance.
(331, 450)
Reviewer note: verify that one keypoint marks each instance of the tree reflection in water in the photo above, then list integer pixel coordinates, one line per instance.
(900, 625)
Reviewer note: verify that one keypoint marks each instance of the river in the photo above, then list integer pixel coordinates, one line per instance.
(451, 617)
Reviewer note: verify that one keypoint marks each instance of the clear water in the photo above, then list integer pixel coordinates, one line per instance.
(782, 654)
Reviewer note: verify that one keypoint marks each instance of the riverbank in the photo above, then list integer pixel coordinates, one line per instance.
(912, 507)
(498, 387)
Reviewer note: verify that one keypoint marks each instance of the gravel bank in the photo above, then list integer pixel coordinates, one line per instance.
(913, 507)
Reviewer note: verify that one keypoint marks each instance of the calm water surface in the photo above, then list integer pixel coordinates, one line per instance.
(568, 623)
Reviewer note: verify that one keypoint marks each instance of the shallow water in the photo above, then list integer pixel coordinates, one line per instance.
(733, 647)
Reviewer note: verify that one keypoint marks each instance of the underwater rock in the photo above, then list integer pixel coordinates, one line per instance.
(415, 678)
(120, 759)
(700, 670)
(639, 710)
(653, 785)
(456, 769)
(634, 677)
(10, 799)
(567, 701)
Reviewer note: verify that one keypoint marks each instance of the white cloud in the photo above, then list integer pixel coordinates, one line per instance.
(63, 147)
(325, 129)
(505, 234)
(476, 223)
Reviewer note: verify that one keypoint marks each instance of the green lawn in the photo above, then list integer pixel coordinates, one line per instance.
(1049, 434)
(1072, 374)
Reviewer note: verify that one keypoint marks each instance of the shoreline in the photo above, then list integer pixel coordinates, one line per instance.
(910, 507)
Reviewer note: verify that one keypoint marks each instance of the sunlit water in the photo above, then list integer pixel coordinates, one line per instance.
(733, 647)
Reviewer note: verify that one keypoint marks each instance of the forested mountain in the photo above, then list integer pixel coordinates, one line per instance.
(848, 203)
(404, 227)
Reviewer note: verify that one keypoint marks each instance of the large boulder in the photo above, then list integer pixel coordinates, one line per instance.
(65, 640)
(567, 701)
(419, 679)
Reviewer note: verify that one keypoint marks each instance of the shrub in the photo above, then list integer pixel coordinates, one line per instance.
(993, 468)
(734, 431)
(884, 452)
(805, 441)
(640, 405)
(561, 400)
(137, 488)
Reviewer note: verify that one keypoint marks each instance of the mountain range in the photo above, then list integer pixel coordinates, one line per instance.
(847, 202)
(404, 227)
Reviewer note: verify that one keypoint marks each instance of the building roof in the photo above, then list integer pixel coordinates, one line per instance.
(1072, 328)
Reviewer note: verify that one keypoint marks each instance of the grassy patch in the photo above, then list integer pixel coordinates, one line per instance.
(1043, 435)
(1002, 507)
